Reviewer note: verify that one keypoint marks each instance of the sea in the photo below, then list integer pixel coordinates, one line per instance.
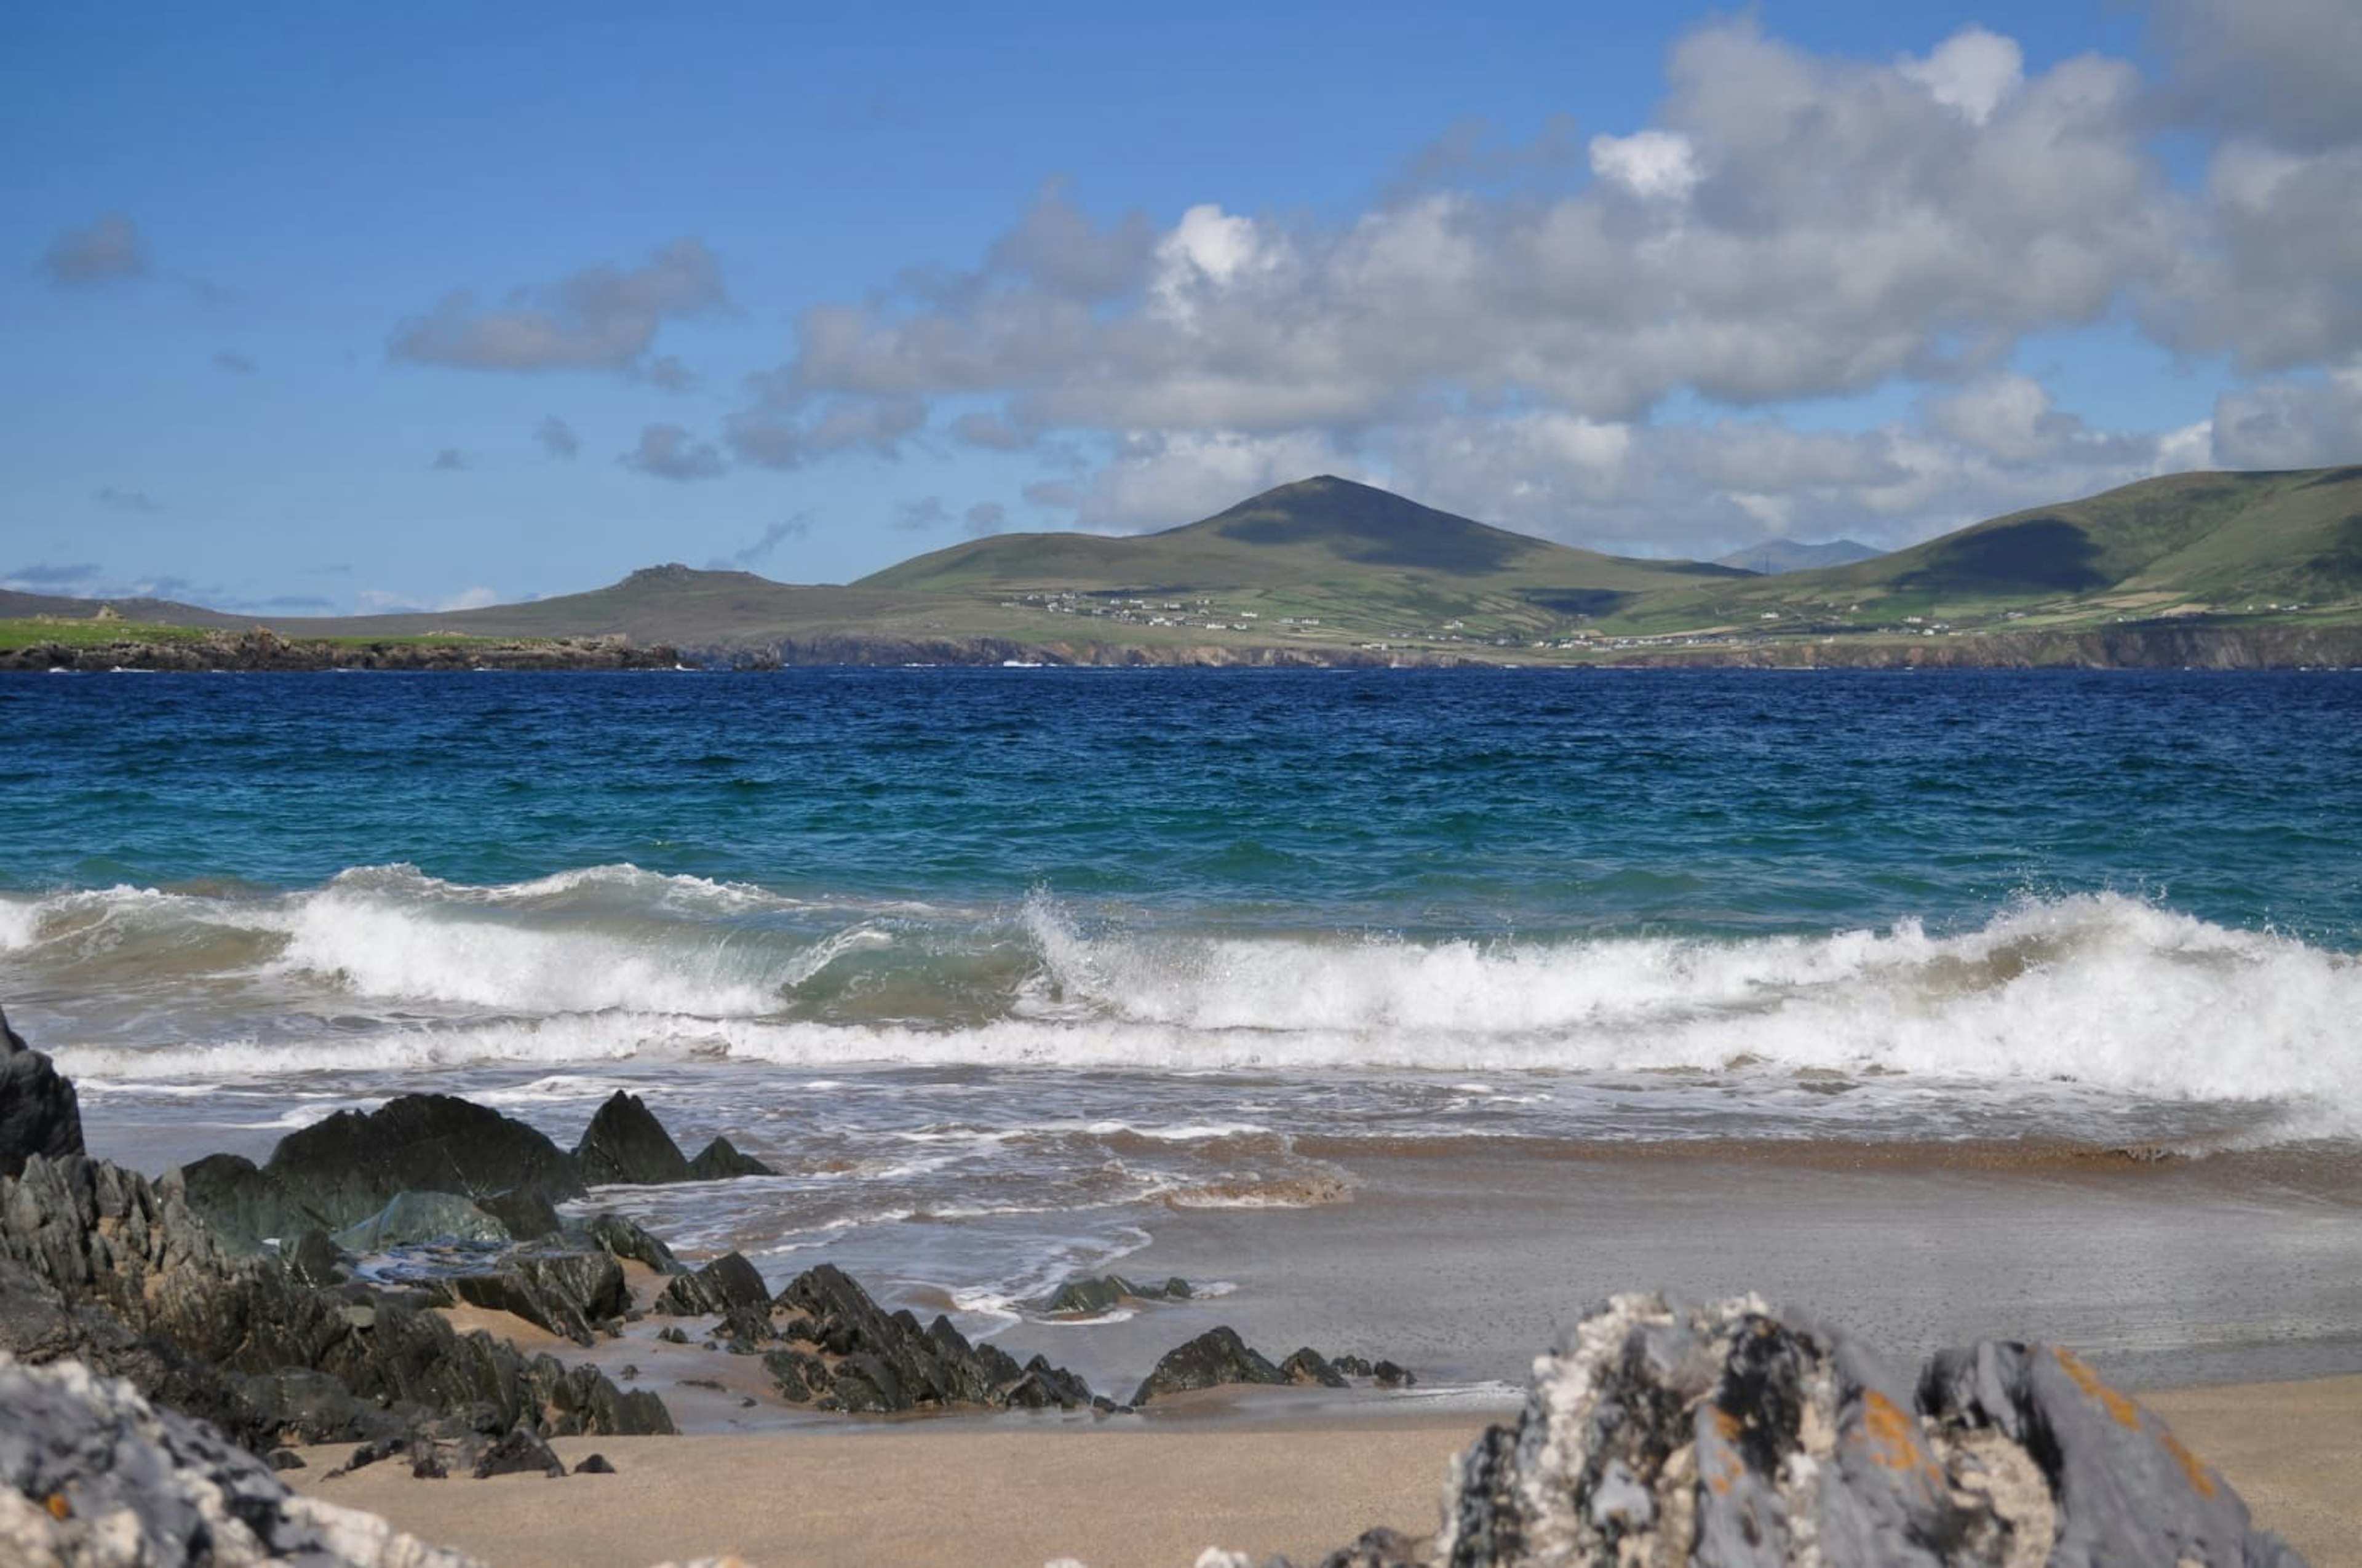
(1004, 969)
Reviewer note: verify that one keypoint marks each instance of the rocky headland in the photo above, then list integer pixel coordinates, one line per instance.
(163, 1344)
(262, 649)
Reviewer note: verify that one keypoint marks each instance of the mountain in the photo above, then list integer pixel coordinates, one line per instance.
(1772, 556)
(1323, 544)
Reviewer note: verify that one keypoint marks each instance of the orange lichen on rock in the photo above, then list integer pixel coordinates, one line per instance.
(2126, 1413)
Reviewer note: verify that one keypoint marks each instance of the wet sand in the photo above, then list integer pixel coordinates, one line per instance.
(983, 1492)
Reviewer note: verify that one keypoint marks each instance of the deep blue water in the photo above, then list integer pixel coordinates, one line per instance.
(1424, 802)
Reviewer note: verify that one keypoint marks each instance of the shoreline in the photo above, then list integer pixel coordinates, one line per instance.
(994, 1490)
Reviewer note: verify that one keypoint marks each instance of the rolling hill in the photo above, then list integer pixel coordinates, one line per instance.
(1772, 556)
(2221, 546)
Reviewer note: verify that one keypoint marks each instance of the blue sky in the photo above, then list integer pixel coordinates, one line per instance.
(303, 311)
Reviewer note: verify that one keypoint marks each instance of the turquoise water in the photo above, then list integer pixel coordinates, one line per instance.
(1000, 964)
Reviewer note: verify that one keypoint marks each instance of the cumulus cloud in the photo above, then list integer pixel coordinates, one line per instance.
(2010, 419)
(1650, 164)
(115, 499)
(450, 460)
(602, 318)
(2289, 71)
(557, 437)
(234, 362)
(105, 250)
(780, 435)
(985, 517)
(667, 451)
(2292, 423)
(1973, 71)
(669, 374)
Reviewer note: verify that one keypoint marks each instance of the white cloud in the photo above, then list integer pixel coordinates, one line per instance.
(1973, 71)
(1652, 164)
(599, 319)
(669, 452)
(2292, 423)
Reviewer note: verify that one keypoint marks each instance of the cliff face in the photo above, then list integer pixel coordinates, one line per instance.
(2149, 646)
(262, 649)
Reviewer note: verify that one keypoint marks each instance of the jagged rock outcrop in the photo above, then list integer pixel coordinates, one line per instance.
(120, 1272)
(414, 1216)
(1214, 1358)
(626, 1143)
(91, 1473)
(625, 1239)
(1730, 1437)
(39, 1111)
(863, 1358)
(1090, 1295)
(730, 1288)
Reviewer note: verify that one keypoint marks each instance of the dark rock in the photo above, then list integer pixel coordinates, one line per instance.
(518, 1453)
(721, 1159)
(315, 1261)
(877, 1361)
(800, 1377)
(569, 1293)
(1089, 1296)
(39, 1112)
(523, 1212)
(729, 1288)
(1727, 1435)
(625, 1239)
(285, 1459)
(1310, 1366)
(348, 1166)
(91, 1473)
(672, 1336)
(595, 1464)
(244, 1204)
(1389, 1375)
(626, 1143)
(1353, 1366)
(1211, 1360)
(414, 1216)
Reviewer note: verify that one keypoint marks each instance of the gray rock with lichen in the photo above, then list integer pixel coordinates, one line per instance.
(91, 1473)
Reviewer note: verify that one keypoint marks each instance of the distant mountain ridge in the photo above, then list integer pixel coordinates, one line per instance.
(1326, 570)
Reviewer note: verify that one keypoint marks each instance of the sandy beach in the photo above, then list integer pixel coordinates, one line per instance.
(1131, 1494)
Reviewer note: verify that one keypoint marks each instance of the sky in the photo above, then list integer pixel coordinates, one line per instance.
(313, 310)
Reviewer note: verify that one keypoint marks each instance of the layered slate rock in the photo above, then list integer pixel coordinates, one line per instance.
(846, 1353)
(626, 1144)
(627, 1239)
(571, 1292)
(91, 1473)
(39, 1111)
(1731, 1437)
(118, 1270)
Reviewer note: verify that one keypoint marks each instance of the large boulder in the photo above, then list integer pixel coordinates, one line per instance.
(414, 1217)
(626, 1143)
(91, 1473)
(570, 1292)
(346, 1168)
(1732, 1437)
(39, 1112)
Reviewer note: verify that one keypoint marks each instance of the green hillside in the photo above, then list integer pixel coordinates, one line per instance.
(2219, 547)
(1323, 557)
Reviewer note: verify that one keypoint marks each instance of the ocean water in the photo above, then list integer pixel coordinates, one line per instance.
(1002, 968)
